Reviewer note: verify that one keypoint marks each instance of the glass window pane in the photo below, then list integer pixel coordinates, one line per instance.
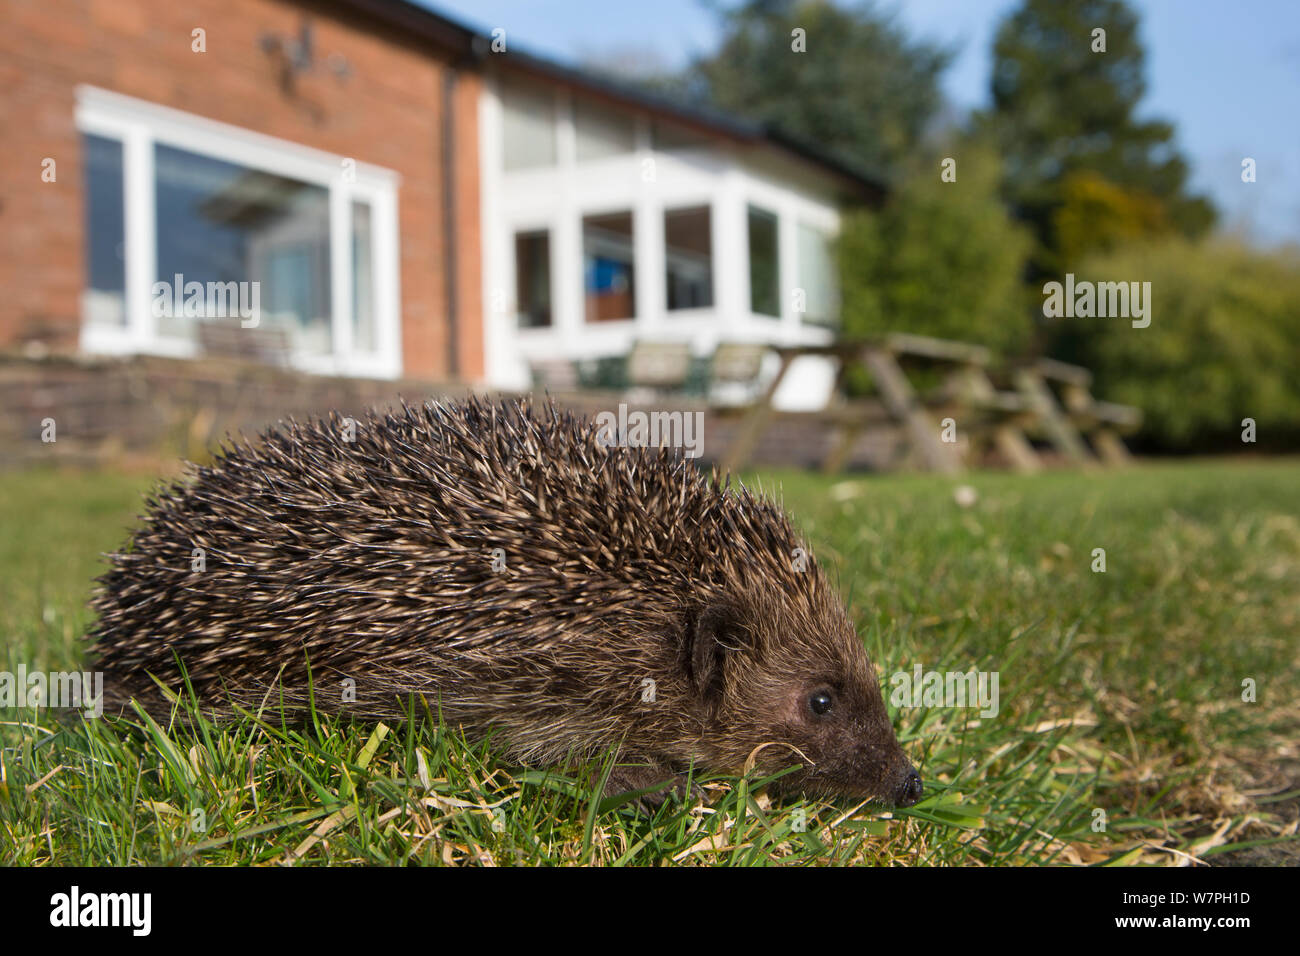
(529, 128)
(533, 278)
(249, 238)
(363, 279)
(104, 298)
(764, 263)
(688, 254)
(609, 275)
(817, 277)
(601, 131)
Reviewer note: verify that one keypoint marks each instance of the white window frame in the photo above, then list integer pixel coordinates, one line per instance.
(833, 322)
(679, 204)
(784, 259)
(595, 212)
(514, 230)
(139, 124)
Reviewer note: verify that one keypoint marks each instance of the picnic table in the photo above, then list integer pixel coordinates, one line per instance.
(984, 413)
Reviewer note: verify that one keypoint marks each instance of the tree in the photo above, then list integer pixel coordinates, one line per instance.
(1067, 81)
(941, 258)
(1095, 215)
(1223, 344)
(842, 78)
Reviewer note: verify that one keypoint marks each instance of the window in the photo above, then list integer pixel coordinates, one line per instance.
(533, 278)
(104, 297)
(221, 222)
(817, 276)
(528, 120)
(601, 131)
(363, 278)
(609, 275)
(190, 222)
(688, 257)
(764, 263)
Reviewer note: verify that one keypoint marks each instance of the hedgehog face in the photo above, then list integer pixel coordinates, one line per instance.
(843, 729)
(799, 686)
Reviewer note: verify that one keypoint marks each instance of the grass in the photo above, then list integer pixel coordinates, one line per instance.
(1122, 735)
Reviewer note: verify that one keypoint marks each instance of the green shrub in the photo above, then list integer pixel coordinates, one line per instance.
(1223, 344)
(941, 259)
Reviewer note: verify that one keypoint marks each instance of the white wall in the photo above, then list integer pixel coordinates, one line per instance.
(647, 182)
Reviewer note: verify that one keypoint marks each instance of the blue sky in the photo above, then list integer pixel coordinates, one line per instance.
(1226, 72)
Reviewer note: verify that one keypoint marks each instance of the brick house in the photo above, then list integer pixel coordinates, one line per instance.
(382, 192)
(308, 147)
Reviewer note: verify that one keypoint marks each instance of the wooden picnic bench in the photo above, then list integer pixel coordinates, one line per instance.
(986, 415)
(1077, 415)
(848, 417)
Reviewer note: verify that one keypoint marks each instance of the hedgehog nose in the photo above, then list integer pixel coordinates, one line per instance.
(910, 792)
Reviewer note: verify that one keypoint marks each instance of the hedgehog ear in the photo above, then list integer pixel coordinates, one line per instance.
(712, 637)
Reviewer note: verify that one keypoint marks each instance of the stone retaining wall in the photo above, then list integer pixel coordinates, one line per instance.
(157, 410)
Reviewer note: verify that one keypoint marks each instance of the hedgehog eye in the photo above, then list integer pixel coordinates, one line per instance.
(820, 702)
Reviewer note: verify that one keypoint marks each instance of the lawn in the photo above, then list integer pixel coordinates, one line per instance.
(1122, 734)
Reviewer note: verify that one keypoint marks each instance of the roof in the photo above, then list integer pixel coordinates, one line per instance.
(468, 46)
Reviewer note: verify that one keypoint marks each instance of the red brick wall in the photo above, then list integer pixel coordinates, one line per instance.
(387, 112)
(470, 249)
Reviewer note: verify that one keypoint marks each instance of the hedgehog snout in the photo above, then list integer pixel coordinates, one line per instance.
(910, 790)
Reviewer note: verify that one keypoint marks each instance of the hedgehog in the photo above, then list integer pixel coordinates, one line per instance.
(537, 585)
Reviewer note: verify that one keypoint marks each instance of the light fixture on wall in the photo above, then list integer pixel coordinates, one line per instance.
(297, 55)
